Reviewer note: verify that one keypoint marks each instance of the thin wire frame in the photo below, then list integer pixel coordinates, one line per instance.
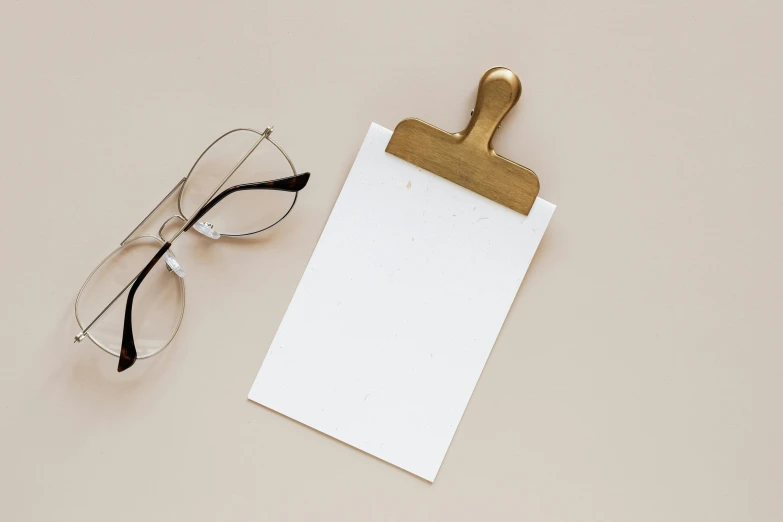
(288, 159)
(181, 280)
(178, 188)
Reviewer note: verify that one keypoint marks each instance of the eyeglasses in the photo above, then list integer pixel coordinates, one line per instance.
(153, 312)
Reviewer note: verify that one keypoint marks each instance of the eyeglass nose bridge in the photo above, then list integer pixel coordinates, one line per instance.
(171, 264)
(175, 216)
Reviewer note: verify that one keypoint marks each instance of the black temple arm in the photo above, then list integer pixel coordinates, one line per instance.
(290, 184)
(128, 349)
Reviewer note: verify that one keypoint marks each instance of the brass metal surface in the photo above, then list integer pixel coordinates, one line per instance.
(467, 157)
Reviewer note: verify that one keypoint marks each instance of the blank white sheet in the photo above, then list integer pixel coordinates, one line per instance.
(398, 310)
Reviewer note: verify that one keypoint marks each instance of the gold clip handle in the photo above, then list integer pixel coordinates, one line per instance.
(498, 91)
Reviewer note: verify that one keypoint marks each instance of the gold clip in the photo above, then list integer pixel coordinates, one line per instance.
(467, 158)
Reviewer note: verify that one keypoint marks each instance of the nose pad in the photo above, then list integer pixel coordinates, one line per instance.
(208, 229)
(172, 265)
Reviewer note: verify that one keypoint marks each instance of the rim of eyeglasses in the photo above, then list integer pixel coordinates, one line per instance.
(190, 172)
(89, 278)
(293, 183)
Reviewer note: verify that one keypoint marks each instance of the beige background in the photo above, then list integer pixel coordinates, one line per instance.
(638, 376)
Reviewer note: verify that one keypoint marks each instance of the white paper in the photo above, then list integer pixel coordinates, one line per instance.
(398, 310)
